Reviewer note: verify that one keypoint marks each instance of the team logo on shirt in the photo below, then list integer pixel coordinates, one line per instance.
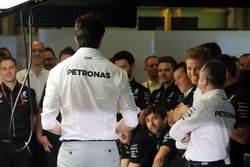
(224, 114)
(134, 150)
(25, 96)
(86, 73)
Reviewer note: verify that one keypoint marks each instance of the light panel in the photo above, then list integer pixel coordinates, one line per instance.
(7, 4)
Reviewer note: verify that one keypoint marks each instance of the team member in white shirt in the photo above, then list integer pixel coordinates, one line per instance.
(209, 121)
(88, 89)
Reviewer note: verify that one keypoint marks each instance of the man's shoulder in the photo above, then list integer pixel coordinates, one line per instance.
(22, 71)
(141, 86)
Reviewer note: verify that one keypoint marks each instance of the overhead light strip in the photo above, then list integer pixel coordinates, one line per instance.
(8, 4)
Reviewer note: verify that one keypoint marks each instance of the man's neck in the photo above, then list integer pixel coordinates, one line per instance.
(10, 85)
(37, 69)
(154, 80)
(166, 85)
(230, 81)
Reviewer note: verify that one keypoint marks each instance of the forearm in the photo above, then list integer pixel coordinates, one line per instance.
(57, 129)
(240, 135)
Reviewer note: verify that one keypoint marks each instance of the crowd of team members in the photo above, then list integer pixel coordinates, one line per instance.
(164, 98)
(171, 86)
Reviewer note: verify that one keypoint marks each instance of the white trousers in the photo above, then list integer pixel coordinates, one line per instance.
(88, 154)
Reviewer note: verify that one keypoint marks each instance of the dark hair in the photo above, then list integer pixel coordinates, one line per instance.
(89, 30)
(4, 58)
(181, 65)
(6, 50)
(245, 55)
(49, 49)
(67, 50)
(123, 55)
(229, 63)
(213, 47)
(2, 54)
(168, 59)
(156, 110)
(215, 72)
(198, 52)
(149, 57)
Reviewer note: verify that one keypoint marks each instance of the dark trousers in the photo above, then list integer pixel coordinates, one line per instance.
(9, 157)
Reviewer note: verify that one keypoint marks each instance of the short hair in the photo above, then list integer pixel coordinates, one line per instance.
(213, 47)
(89, 30)
(229, 63)
(168, 59)
(215, 72)
(4, 49)
(4, 58)
(149, 57)
(124, 55)
(68, 50)
(2, 54)
(156, 109)
(181, 65)
(49, 49)
(245, 55)
(198, 52)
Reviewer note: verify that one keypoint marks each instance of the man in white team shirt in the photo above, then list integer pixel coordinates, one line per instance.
(88, 89)
(207, 125)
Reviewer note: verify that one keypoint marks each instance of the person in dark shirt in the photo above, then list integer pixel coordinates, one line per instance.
(126, 61)
(239, 97)
(169, 95)
(13, 138)
(137, 148)
(156, 123)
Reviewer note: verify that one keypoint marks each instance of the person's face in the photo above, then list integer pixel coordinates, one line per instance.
(202, 82)
(49, 61)
(37, 53)
(182, 80)
(165, 72)
(8, 71)
(245, 63)
(64, 56)
(155, 123)
(125, 137)
(125, 66)
(152, 67)
(193, 69)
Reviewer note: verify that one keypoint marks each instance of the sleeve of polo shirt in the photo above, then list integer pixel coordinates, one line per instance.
(127, 105)
(194, 118)
(51, 101)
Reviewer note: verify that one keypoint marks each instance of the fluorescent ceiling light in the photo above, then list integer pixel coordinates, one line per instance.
(7, 4)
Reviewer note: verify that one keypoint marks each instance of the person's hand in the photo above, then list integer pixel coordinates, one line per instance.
(44, 141)
(186, 138)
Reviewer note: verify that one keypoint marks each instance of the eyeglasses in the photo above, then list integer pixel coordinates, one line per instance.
(5, 96)
(40, 50)
(153, 65)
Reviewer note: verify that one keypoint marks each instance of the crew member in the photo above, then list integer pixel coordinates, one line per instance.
(12, 141)
(88, 90)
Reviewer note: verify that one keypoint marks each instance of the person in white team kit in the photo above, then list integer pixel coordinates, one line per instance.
(208, 124)
(88, 89)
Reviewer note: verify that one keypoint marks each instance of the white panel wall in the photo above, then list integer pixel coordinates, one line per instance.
(143, 43)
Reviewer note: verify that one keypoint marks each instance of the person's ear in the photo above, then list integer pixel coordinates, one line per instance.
(76, 41)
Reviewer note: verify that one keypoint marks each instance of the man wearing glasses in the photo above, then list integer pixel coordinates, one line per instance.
(38, 77)
(14, 132)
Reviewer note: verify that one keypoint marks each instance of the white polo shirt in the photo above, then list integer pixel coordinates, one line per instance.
(37, 82)
(87, 89)
(210, 121)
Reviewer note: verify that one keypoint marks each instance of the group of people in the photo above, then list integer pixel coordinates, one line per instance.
(191, 113)
(43, 146)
